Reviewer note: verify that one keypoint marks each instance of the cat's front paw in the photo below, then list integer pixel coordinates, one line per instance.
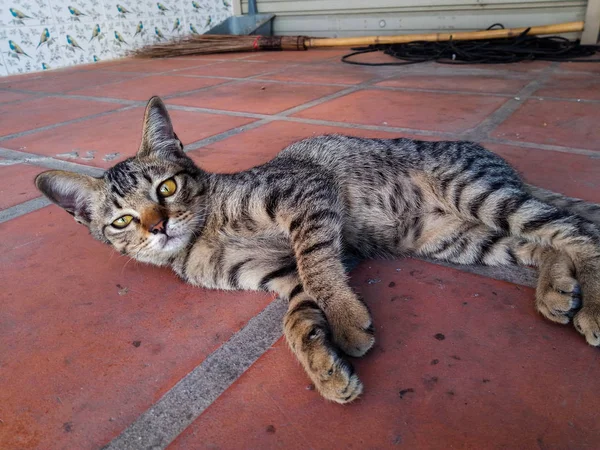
(308, 334)
(352, 326)
(587, 322)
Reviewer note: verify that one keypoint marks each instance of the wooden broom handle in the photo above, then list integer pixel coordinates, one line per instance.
(568, 27)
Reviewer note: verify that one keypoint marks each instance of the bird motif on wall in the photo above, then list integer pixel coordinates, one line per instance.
(193, 29)
(158, 33)
(95, 32)
(162, 8)
(119, 38)
(72, 42)
(45, 37)
(176, 25)
(45, 66)
(17, 50)
(75, 13)
(139, 29)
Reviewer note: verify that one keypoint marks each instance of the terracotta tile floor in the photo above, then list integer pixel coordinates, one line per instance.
(91, 344)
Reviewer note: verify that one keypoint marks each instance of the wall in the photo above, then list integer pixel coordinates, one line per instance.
(41, 34)
(337, 18)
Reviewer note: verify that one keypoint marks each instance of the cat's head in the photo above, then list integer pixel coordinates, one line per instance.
(148, 207)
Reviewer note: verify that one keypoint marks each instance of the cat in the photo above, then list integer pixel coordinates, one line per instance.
(285, 226)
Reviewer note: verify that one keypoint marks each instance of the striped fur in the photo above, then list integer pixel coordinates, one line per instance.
(285, 226)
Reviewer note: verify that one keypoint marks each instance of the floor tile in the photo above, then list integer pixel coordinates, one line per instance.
(157, 65)
(325, 74)
(569, 124)
(233, 69)
(94, 339)
(418, 110)
(106, 140)
(460, 362)
(146, 87)
(42, 112)
(566, 173)
(593, 67)
(259, 145)
(576, 86)
(8, 96)
(17, 184)
(466, 83)
(255, 97)
(69, 81)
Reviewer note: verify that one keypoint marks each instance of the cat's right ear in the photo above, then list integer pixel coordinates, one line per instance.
(71, 191)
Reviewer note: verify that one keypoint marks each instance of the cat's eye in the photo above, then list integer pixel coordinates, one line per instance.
(122, 221)
(167, 188)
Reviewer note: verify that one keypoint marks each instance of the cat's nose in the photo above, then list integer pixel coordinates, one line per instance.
(159, 227)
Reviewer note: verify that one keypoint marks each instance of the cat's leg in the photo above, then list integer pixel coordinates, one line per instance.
(587, 210)
(315, 232)
(507, 207)
(309, 336)
(450, 238)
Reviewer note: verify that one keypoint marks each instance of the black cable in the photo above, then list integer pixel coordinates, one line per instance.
(489, 51)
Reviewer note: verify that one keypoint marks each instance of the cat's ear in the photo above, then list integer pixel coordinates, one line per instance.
(158, 136)
(71, 191)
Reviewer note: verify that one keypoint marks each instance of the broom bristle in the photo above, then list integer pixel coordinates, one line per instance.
(203, 44)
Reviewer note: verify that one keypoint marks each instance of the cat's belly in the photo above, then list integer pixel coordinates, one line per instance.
(234, 262)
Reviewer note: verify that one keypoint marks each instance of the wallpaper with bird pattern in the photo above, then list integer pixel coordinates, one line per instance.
(46, 34)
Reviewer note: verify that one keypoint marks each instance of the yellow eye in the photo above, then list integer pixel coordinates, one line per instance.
(122, 222)
(167, 188)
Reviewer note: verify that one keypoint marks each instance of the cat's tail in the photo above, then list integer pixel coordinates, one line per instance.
(587, 210)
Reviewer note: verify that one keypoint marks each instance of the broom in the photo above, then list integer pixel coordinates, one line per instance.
(206, 43)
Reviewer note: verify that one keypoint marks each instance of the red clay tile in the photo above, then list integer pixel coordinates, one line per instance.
(570, 124)
(417, 110)
(69, 81)
(255, 97)
(8, 96)
(467, 83)
(105, 140)
(500, 376)
(580, 66)
(41, 112)
(259, 145)
(17, 184)
(577, 86)
(144, 88)
(567, 173)
(92, 339)
(325, 74)
(233, 69)
(156, 65)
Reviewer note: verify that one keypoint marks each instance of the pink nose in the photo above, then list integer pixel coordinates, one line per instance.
(159, 227)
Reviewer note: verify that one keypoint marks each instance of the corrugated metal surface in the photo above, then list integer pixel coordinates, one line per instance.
(333, 18)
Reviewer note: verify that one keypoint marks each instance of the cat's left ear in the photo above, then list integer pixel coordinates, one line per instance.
(158, 137)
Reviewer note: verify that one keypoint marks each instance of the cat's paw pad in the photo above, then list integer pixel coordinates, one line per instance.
(587, 322)
(560, 300)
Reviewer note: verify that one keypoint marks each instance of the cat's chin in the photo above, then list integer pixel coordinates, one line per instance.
(174, 244)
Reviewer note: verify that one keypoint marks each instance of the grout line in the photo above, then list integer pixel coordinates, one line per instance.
(60, 124)
(23, 208)
(20, 157)
(158, 426)
(546, 147)
(226, 134)
(492, 121)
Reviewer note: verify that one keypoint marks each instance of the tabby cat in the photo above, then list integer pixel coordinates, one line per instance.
(285, 226)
